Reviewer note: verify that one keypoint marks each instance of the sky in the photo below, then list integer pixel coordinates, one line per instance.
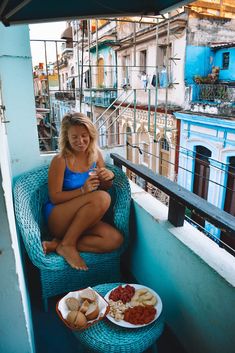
(45, 31)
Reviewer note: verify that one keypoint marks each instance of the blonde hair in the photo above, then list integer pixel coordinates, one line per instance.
(78, 119)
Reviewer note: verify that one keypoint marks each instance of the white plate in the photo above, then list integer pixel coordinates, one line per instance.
(123, 323)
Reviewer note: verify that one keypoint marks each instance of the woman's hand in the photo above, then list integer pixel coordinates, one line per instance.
(105, 174)
(91, 184)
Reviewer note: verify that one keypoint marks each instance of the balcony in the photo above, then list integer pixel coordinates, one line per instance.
(216, 98)
(102, 97)
(193, 274)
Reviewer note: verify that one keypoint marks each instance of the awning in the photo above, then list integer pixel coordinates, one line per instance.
(35, 11)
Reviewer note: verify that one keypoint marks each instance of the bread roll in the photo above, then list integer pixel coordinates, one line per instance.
(92, 312)
(88, 294)
(71, 317)
(84, 306)
(77, 319)
(81, 320)
(72, 303)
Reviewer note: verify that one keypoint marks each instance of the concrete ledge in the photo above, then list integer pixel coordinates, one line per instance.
(216, 257)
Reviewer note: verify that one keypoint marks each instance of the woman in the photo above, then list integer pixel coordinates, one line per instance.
(77, 181)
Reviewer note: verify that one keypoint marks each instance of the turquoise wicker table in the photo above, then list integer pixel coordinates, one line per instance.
(107, 337)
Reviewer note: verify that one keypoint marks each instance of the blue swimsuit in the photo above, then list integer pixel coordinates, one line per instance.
(72, 181)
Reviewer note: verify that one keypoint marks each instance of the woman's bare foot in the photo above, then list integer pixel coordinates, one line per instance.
(72, 256)
(50, 246)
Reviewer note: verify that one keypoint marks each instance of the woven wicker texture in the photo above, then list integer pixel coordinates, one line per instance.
(57, 277)
(107, 337)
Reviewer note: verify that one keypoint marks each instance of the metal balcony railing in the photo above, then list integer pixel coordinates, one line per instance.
(102, 97)
(181, 199)
(216, 92)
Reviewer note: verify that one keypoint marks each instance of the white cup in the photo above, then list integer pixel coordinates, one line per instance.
(92, 172)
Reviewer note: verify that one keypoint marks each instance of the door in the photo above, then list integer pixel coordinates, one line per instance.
(201, 177)
(229, 204)
(100, 78)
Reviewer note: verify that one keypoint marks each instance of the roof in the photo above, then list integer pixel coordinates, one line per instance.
(218, 45)
(35, 11)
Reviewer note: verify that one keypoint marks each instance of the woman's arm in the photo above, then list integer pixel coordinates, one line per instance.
(55, 182)
(105, 175)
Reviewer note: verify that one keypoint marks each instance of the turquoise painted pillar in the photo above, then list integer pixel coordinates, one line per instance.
(18, 152)
(18, 97)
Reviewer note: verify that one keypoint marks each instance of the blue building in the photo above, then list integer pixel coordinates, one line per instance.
(207, 125)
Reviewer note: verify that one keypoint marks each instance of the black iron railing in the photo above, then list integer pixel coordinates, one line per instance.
(180, 198)
(215, 93)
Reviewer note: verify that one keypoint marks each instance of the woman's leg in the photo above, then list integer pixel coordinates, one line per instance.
(69, 220)
(50, 245)
(100, 238)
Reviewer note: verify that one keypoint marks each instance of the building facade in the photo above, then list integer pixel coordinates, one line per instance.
(207, 133)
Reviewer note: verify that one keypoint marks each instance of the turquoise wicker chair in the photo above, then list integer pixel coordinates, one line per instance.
(57, 277)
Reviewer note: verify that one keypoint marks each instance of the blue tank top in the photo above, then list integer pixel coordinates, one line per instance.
(75, 180)
(72, 181)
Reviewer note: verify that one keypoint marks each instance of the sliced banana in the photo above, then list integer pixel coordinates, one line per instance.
(141, 291)
(146, 296)
(152, 301)
(134, 302)
(143, 297)
(135, 297)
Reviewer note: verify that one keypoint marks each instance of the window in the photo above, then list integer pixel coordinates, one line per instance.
(88, 78)
(162, 55)
(162, 63)
(102, 133)
(165, 145)
(90, 115)
(145, 148)
(225, 63)
(129, 140)
(125, 70)
(143, 61)
(164, 157)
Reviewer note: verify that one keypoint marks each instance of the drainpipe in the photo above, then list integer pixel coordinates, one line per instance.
(156, 87)
(89, 61)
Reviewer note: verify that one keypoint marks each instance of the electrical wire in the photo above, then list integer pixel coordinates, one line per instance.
(180, 167)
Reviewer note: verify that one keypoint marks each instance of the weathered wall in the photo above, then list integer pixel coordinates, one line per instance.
(199, 56)
(176, 97)
(201, 30)
(198, 62)
(226, 74)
